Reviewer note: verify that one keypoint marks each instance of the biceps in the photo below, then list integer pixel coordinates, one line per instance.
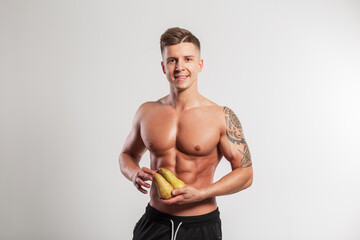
(134, 144)
(230, 152)
(236, 152)
(244, 150)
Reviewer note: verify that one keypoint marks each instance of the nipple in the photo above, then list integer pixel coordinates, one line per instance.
(197, 148)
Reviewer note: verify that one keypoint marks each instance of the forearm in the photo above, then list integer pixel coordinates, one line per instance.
(235, 181)
(129, 166)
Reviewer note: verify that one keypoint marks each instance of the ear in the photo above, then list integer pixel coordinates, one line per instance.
(163, 67)
(201, 63)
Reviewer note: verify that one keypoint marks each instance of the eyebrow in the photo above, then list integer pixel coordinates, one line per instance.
(176, 58)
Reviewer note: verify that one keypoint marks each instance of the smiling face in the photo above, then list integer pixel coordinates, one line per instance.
(181, 64)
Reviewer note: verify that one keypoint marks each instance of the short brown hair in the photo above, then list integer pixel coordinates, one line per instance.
(177, 35)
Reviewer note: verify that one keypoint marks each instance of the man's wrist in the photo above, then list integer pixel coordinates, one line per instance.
(133, 175)
(205, 193)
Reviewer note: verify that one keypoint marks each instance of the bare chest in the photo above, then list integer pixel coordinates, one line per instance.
(194, 132)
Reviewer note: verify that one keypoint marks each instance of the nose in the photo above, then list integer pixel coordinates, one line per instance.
(179, 65)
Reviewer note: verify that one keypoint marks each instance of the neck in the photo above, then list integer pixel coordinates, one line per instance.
(184, 99)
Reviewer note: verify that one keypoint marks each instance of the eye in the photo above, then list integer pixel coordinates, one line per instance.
(188, 59)
(171, 60)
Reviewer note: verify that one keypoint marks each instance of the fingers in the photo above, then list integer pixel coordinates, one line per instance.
(138, 186)
(142, 183)
(178, 196)
(148, 170)
(144, 174)
(179, 191)
(178, 199)
(184, 195)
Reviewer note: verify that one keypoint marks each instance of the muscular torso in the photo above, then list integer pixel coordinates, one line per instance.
(186, 143)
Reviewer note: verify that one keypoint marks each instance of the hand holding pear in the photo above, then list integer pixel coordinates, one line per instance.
(165, 182)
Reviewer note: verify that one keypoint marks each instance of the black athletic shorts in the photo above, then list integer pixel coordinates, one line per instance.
(155, 225)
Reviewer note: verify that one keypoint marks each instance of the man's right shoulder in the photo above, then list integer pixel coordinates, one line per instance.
(149, 106)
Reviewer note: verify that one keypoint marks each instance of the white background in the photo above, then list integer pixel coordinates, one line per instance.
(73, 74)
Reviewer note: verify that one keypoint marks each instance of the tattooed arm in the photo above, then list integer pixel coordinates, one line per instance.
(235, 149)
(235, 134)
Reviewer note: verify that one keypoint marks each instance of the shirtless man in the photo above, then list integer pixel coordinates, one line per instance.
(187, 134)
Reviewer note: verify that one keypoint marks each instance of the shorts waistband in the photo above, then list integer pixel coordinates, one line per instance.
(156, 215)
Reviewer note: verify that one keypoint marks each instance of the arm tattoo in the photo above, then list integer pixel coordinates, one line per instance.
(234, 133)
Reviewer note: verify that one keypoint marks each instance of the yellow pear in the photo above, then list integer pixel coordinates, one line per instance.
(171, 178)
(163, 187)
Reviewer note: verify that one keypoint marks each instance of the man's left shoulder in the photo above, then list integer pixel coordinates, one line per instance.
(218, 110)
(213, 109)
(224, 114)
(215, 114)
